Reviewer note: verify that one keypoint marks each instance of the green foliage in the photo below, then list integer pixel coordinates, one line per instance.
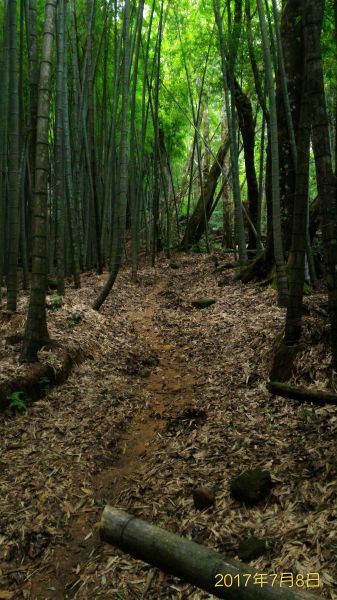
(179, 54)
(199, 248)
(309, 413)
(216, 245)
(307, 289)
(51, 359)
(55, 302)
(16, 402)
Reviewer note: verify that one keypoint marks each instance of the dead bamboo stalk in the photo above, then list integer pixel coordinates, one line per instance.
(191, 562)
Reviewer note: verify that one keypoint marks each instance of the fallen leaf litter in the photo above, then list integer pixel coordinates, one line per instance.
(170, 398)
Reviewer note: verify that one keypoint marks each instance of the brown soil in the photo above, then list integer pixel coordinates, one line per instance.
(172, 397)
(167, 398)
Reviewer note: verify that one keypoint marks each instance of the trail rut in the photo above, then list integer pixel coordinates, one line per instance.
(170, 390)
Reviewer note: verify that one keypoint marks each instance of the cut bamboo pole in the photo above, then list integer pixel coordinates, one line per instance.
(192, 562)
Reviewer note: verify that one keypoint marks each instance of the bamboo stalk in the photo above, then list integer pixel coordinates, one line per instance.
(192, 562)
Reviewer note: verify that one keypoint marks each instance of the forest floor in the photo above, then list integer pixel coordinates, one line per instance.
(170, 397)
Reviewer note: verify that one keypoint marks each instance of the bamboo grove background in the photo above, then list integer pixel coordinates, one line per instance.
(130, 127)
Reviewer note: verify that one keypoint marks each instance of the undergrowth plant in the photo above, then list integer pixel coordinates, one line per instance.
(16, 402)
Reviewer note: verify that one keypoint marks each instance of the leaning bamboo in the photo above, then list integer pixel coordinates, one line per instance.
(192, 562)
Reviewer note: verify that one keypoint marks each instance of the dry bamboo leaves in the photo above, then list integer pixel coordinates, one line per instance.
(212, 419)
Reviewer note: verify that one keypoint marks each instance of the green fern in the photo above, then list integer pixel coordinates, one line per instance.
(16, 402)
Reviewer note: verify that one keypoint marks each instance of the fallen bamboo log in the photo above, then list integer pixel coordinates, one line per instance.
(195, 564)
(301, 394)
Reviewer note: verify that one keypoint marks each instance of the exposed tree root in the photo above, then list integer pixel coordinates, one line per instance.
(302, 394)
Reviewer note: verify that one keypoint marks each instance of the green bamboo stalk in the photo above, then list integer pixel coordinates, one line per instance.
(13, 161)
(281, 275)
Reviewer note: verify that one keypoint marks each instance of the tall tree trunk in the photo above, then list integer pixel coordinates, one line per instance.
(13, 161)
(33, 81)
(91, 147)
(227, 239)
(73, 217)
(205, 121)
(313, 11)
(299, 229)
(59, 150)
(281, 274)
(288, 98)
(196, 225)
(3, 141)
(135, 196)
(335, 27)
(231, 119)
(120, 213)
(261, 182)
(247, 128)
(36, 333)
(156, 239)
(261, 267)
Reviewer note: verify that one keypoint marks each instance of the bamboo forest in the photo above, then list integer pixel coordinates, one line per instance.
(168, 299)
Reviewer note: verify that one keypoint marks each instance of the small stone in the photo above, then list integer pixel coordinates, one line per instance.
(251, 548)
(203, 302)
(251, 486)
(203, 497)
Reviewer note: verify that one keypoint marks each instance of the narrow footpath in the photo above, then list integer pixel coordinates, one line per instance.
(171, 397)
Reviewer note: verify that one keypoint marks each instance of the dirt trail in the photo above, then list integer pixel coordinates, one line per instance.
(169, 390)
(119, 433)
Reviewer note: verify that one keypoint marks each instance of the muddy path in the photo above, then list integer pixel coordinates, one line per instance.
(167, 390)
